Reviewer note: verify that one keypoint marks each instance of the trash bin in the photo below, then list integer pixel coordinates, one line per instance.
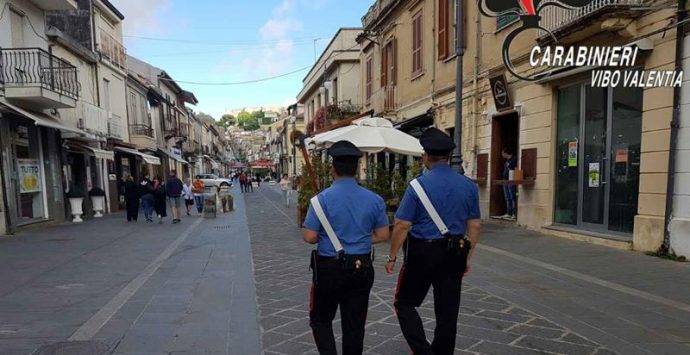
(210, 204)
(226, 201)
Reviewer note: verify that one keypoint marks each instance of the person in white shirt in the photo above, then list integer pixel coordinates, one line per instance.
(188, 196)
(285, 187)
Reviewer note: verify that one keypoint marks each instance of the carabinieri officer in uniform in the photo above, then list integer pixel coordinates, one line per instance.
(439, 217)
(344, 220)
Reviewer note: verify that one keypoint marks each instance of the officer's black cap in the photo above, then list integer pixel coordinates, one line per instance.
(344, 149)
(435, 142)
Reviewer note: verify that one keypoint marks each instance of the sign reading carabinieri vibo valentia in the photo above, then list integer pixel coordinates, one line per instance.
(612, 66)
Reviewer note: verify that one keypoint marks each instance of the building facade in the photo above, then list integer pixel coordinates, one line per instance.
(595, 160)
(35, 85)
(334, 78)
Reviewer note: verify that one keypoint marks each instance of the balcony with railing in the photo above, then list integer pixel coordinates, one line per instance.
(142, 135)
(557, 19)
(93, 119)
(112, 50)
(37, 78)
(115, 126)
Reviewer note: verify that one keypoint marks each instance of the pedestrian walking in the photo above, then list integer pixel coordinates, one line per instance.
(509, 191)
(285, 188)
(188, 196)
(440, 213)
(258, 180)
(243, 182)
(147, 197)
(159, 195)
(345, 220)
(198, 190)
(132, 194)
(173, 188)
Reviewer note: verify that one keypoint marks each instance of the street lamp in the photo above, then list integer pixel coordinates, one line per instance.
(295, 142)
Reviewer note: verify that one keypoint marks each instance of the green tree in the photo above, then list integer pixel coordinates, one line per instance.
(259, 115)
(251, 124)
(226, 121)
(242, 117)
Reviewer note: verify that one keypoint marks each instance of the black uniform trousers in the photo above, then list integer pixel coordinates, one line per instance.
(430, 264)
(348, 289)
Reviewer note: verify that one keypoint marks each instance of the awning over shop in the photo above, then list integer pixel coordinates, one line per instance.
(150, 159)
(265, 164)
(98, 153)
(173, 156)
(214, 164)
(40, 119)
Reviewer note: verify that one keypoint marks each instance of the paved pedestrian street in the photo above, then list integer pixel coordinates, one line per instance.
(239, 284)
(509, 306)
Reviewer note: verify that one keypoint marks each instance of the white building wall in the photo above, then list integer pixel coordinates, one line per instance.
(32, 16)
(680, 223)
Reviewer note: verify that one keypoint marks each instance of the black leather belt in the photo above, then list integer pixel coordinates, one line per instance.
(347, 261)
(443, 240)
(366, 257)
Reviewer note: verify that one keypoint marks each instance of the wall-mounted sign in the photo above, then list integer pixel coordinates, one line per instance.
(499, 88)
(29, 175)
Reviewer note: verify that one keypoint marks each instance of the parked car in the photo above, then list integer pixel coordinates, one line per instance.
(214, 180)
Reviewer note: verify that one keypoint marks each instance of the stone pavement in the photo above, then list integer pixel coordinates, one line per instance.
(528, 294)
(132, 288)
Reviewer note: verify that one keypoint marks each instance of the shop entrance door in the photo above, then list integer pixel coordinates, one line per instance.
(598, 157)
(505, 133)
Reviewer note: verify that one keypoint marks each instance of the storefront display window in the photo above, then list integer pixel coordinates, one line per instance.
(28, 172)
(598, 157)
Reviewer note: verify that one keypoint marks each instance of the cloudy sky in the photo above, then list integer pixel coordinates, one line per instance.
(230, 41)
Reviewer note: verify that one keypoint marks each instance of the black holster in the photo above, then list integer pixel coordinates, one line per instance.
(312, 265)
(458, 245)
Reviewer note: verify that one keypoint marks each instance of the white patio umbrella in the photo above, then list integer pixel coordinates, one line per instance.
(371, 135)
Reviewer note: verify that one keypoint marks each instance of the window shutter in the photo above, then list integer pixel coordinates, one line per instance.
(384, 65)
(394, 59)
(443, 16)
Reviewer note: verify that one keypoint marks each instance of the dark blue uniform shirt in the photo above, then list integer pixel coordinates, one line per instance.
(353, 211)
(455, 197)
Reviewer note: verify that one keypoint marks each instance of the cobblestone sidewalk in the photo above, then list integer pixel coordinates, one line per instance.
(488, 324)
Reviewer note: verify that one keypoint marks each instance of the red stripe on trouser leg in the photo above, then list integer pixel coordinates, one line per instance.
(398, 286)
(311, 298)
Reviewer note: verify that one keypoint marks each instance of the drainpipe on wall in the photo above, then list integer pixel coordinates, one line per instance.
(675, 124)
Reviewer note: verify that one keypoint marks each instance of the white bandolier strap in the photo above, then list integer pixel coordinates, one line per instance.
(430, 209)
(326, 224)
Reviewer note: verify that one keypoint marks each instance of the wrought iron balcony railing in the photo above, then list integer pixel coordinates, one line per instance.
(35, 67)
(115, 126)
(141, 130)
(112, 49)
(555, 18)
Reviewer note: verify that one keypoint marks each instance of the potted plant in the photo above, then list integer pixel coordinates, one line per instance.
(98, 200)
(76, 199)
(322, 172)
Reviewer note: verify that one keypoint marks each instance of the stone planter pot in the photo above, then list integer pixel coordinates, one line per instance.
(76, 208)
(98, 205)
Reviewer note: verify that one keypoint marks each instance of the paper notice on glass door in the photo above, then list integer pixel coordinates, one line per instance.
(572, 154)
(594, 175)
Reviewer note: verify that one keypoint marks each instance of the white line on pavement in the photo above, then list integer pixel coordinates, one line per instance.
(591, 279)
(89, 329)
